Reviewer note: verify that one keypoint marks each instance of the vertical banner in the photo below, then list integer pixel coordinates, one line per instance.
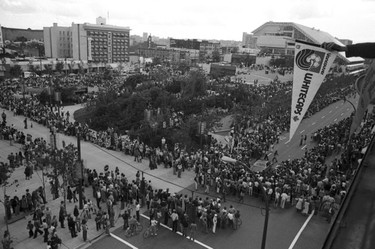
(311, 65)
(366, 89)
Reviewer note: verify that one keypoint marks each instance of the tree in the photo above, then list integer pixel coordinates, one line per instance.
(20, 39)
(216, 56)
(80, 68)
(59, 66)
(183, 67)
(32, 68)
(5, 174)
(156, 61)
(48, 68)
(59, 165)
(194, 84)
(16, 71)
(159, 74)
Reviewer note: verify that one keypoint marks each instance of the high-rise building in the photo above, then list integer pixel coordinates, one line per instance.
(57, 41)
(97, 43)
(144, 36)
(100, 43)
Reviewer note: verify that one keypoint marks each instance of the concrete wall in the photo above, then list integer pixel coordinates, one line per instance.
(79, 40)
(11, 34)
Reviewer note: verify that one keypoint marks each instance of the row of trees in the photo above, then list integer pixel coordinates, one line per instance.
(185, 94)
(16, 70)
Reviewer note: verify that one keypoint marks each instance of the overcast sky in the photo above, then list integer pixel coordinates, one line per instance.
(201, 19)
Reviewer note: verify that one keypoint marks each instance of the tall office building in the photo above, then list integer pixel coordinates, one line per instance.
(100, 43)
(97, 43)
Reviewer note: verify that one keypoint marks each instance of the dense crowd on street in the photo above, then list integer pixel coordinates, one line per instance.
(309, 183)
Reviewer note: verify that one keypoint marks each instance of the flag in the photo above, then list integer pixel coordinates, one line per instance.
(366, 88)
(311, 65)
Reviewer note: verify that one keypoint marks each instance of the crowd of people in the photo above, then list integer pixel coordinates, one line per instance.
(309, 183)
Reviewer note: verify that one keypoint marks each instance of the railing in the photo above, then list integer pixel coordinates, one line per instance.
(338, 221)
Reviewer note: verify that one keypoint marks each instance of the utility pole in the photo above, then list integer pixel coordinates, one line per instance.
(263, 191)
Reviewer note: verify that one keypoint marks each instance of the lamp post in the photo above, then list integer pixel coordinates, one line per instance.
(265, 227)
(80, 169)
(346, 100)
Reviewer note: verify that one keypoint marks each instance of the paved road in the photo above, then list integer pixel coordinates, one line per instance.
(329, 115)
(283, 224)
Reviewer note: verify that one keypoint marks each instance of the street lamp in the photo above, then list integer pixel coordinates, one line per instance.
(346, 100)
(265, 227)
(79, 168)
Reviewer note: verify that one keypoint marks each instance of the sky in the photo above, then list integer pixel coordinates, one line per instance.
(200, 19)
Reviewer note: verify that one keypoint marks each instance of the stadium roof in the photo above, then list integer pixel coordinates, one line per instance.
(316, 35)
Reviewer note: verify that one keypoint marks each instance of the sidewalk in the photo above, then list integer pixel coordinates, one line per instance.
(18, 228)
(161, 178)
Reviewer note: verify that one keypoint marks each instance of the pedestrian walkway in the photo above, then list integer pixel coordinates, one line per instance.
(94, 157)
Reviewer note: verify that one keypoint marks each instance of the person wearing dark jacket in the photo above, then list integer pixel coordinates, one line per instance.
(72, 226)
(365, 50)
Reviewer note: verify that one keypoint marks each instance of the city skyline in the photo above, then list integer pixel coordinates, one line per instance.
(198, 19)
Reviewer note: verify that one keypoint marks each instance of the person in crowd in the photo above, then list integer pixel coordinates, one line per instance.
(214, 221)
(193, 230)
(84, 230)
(153, 227)
(37, 226)
(72, 226)
(62, 214)
(174, 217)
(6, 241)
(30, 227)
(137, 210)
(133, 224)
(45, 230)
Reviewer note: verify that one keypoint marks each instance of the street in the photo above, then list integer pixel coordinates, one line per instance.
(283, 224)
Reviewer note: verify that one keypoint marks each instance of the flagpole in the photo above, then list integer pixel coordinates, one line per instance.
(308, 43)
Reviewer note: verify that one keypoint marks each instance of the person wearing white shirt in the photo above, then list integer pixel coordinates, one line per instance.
(284, 198)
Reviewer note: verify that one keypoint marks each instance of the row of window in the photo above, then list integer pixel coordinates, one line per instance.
(99, 39)
(100, 33)
(65, 45)
(68, 33)
(67, 38)
(94, 46)
(119, 40)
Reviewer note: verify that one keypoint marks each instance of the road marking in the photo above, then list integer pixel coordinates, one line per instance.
(179, 233)
(337, 107)
(301, 230)
(282, 137)
(303, 147)
(342, 114)
(287, 142)
(302, 132)
(335, 120)
(330, 111)
(123, 241)
(323, 116)
(313, 123)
